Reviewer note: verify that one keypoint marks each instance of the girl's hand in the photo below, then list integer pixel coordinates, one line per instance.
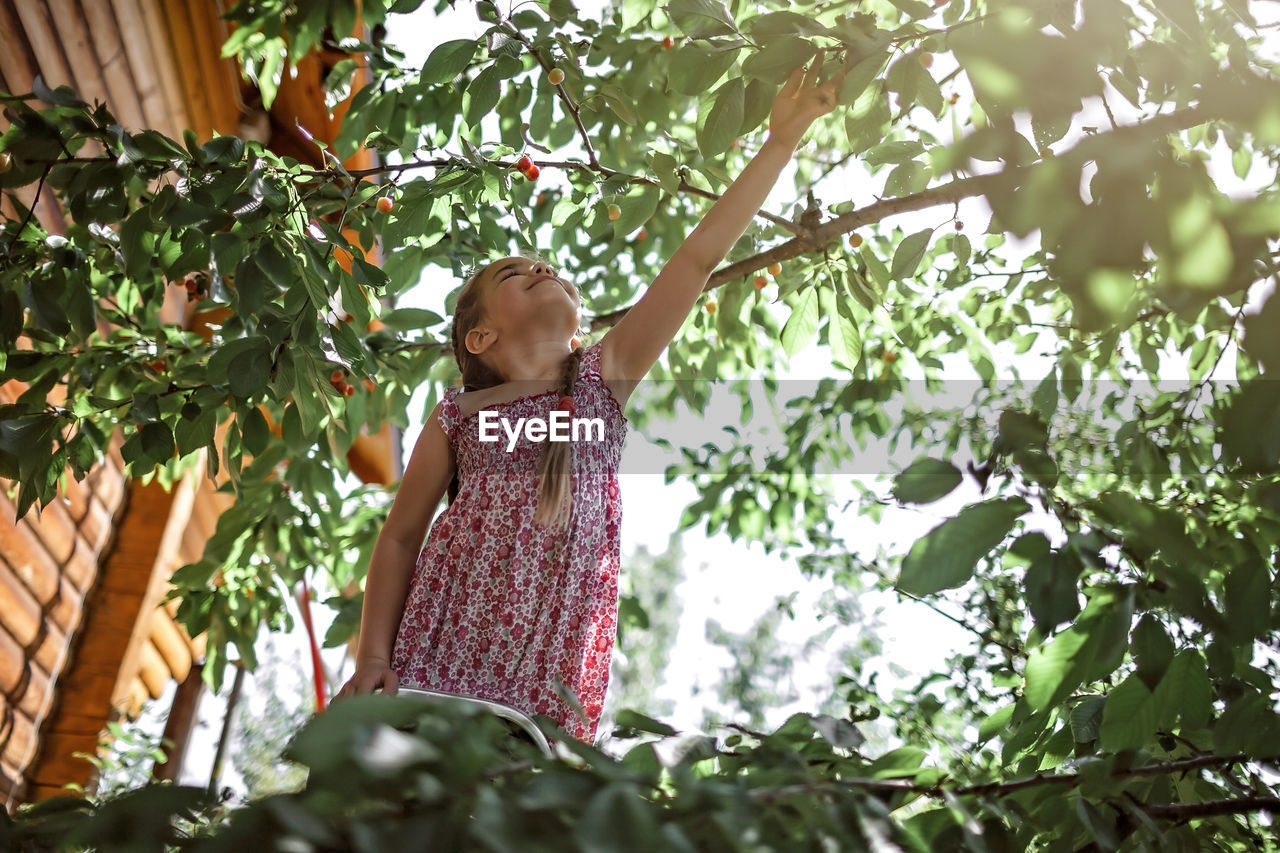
(368, 677)
(801, 101)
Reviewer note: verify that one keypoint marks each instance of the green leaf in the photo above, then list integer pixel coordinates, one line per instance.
(774, 24)
(903, 761)
(634, 719)
(250, 371)
(1152, 649)
(1052, 594)
(779, 57)
(637, 209)
(945, 558)
(802, 325)
(157, 441)
(926, 480)
(482, 95)
(860, 76)
(1129, 717)
(909, 254)
(1248, 599)
(448, 60)
(897, 151)
(222, 150)
(845, 339)
(701, 18)
(254, 430)
(1185, 692)
(1052, 669)
(695, 69)
(1086, 719)
(411, 319)
(721, 123)
(995, 724)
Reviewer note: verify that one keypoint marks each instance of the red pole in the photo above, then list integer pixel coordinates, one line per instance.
(317, 665)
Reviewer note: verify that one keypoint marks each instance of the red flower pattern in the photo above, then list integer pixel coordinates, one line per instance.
(500, 606)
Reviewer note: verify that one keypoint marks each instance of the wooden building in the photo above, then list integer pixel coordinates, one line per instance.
(83, 637)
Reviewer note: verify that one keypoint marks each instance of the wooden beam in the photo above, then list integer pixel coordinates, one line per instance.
(85, 689)
(148, 81)
(222, 77)
(156, 582)
(182, 715)
(113, 63)
(95, 55)
(180, 35)
(63, 54)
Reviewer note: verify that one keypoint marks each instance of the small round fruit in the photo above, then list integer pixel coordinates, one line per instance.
(668, 43)
(555, 76)
(532, 173)
(6, 162)
(524, 163)
(191, 285)
(348, 389)
(614, 212)
(335, 378)
(711, 306)
(370, 385)
(855, 240)
(959, 225)
(926, 59)
(641, 235)
(775, 268)
(385, 204)
(761, 282)
(889, 356)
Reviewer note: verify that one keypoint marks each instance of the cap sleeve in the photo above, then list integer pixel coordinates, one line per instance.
(450, 414)
(590, 364)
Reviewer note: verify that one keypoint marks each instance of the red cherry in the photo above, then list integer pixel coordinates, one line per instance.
(532, 174)
(668, 43)
(524, 163)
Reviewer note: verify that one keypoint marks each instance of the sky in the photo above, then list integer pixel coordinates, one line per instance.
(731, 582)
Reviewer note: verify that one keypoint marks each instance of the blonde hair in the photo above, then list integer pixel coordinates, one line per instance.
(555, 487)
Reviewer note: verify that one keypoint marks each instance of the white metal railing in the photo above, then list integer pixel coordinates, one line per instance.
(507, 712)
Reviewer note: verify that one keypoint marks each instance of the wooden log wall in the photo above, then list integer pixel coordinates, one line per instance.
(83, 638)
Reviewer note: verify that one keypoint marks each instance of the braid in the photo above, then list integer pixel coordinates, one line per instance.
(555, 486)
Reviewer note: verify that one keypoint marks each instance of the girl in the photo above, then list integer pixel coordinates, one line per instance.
(514, 596)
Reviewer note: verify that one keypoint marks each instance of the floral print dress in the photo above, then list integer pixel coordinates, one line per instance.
(501, 607)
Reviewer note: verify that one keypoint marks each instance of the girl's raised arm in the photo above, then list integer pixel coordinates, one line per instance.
(633, 345)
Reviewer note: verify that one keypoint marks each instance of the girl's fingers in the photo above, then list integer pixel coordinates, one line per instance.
(792, 87)
(811, 78)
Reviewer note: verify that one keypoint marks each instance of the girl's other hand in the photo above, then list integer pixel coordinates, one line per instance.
(368, 677)
(800, 101)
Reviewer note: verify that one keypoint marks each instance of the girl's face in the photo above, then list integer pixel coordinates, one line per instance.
(523, 296)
